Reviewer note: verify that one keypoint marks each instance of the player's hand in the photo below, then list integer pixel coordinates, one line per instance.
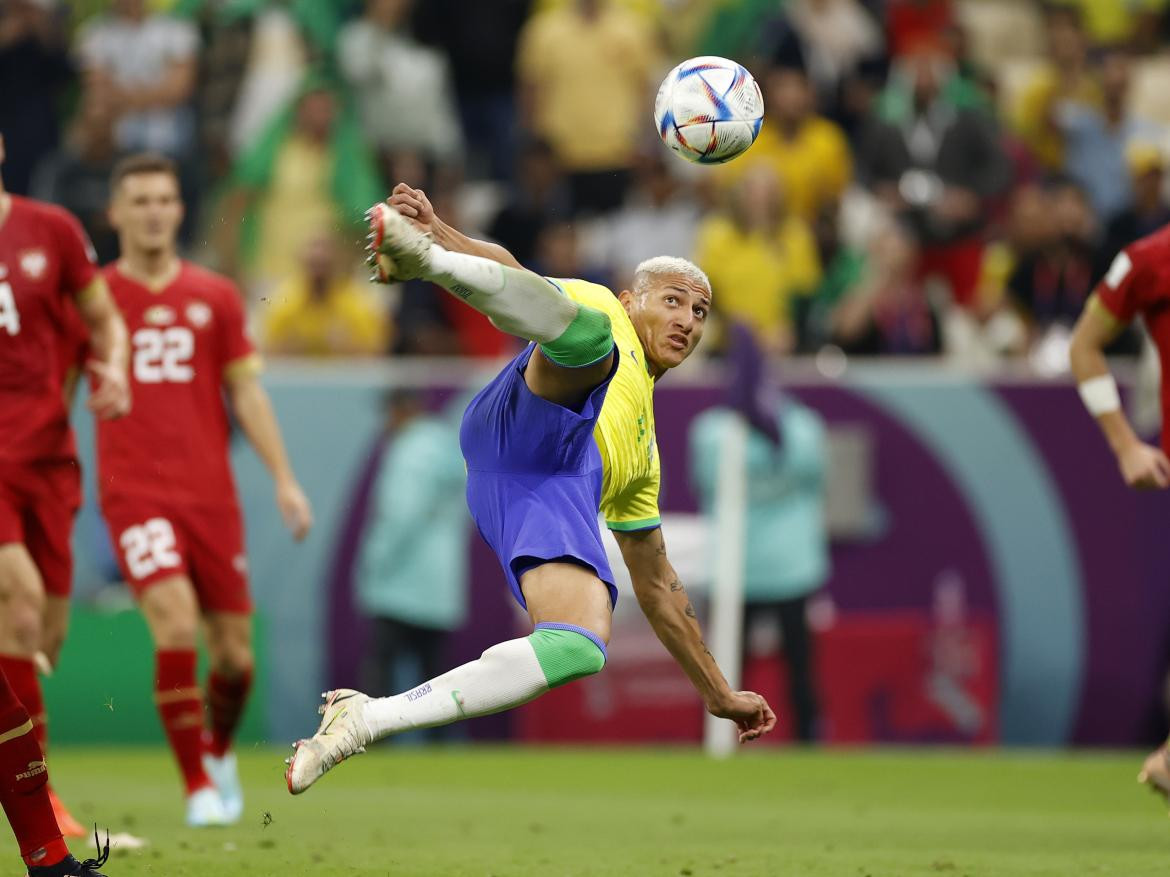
(749, 711)
(111, 398)
(1144, 467)
(414, 205)
(294, 509)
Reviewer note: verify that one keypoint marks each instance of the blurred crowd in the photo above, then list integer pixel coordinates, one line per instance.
(933, 177)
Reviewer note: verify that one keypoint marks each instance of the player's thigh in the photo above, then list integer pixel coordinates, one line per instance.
(49, 518)
(214, 540)
(171, 610)
(567, 593)
(565, 386)
(229, 641)
(22, 601)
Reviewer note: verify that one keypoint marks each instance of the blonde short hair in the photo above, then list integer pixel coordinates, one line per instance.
(662, 265)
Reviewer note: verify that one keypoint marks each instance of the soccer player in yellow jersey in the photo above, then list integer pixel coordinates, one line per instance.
(565, 429)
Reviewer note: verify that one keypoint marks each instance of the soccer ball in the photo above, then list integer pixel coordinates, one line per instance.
(708, 110)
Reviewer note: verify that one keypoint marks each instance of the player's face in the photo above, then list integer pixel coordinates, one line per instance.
(669, 317)
(146, 211)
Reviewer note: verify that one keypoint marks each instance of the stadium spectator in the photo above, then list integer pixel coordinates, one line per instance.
(759, 257)
(309, 170)
(661, 215)
(932, 155)
(412, 575)
(1096, 139)
(843, 267)
(321, 310)
(589, 60)
(1050, 284)
(403, 89)
(807, 153)
(144, 65)
(1112, 23)
(34, 72)
(786, 544)
(1064, 76)
(540, 195)
(911, 22)
(479, 40)
(889, 312)
(1146, 214)
(77, 176)
(836, 36)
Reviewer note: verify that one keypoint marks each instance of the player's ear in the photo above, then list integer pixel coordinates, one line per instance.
(626, 297)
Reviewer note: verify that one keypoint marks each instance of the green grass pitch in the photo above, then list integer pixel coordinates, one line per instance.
(515, 812)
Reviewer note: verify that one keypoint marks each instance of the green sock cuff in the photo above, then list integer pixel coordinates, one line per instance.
(587, 340)
(565, 655)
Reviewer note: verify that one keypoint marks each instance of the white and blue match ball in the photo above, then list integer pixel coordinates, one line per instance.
(709, 110)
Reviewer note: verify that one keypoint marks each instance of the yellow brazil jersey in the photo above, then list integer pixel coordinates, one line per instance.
(625, 428)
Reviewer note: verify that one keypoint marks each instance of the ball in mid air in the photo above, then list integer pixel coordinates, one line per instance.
(709, 110)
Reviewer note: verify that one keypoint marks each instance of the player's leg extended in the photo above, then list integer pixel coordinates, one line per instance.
(575, 337)
(571, 609)
(229, 646)
(172, 615)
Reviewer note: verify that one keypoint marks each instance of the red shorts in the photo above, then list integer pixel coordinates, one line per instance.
(38, 502)
(155, 540)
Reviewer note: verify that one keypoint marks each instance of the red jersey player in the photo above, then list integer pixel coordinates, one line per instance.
(166, 485)
(1137, 284)
(45, 260)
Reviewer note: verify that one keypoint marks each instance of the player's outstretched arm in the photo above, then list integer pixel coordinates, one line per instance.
(253, 410)
(416, 206)
(1143, 467)
(111, 349)
(666, 605)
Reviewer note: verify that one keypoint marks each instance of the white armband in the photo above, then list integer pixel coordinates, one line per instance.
(1100, 395)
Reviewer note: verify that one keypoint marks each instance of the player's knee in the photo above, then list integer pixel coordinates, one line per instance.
(175, 630)
(567, 652)
(21, 624)
(233, 662)
(588, 339)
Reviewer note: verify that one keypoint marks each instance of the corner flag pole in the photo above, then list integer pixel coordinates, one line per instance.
(725, 630)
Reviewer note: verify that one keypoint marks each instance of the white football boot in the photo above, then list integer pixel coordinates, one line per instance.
(205, 809)
(396, 250)
(225, 773)
(343, 732)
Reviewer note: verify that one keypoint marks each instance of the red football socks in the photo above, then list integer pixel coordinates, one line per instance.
(226, 698)
(24, 790)
(180, 706)
(22, 676)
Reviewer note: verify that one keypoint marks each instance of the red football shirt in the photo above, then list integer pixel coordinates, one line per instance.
(173, 445)
(1138, 283)
(45, 258)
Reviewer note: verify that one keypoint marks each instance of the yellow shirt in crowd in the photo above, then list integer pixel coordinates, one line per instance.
(814, 167)
(345, 321)
(755, 276)
(592, 84)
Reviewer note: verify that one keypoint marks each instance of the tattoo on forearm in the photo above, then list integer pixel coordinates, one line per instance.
(676, 585)
(690, 610)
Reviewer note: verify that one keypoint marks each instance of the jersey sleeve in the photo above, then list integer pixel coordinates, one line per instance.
(236, 350)
(1120, 290)
(77, 255)
(637, 508)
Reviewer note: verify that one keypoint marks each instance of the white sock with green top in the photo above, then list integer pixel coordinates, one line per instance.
(505, 676)
(527, 305)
